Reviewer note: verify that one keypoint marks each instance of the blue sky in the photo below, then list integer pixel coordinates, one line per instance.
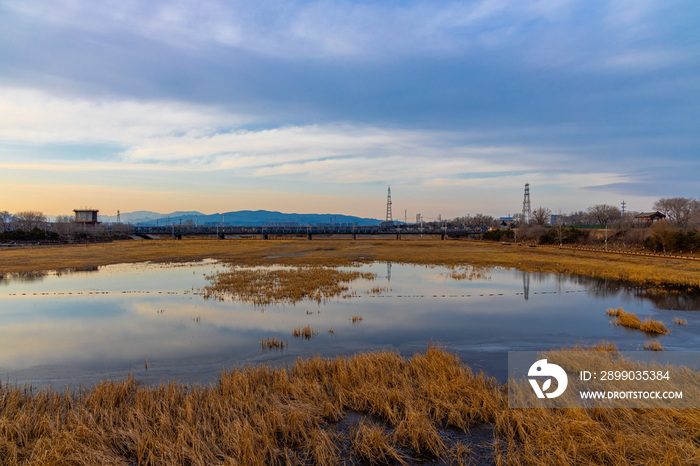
(317, 106)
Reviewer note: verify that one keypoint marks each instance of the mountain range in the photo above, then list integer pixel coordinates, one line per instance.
(240, 217)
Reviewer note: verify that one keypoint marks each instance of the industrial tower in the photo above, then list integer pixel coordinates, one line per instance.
(526, 204)
(388, 205)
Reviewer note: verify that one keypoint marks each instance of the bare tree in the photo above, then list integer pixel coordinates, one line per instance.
(64, 225)
(604, 213)
(5, 221)
(678, 210)
(29, 220)
(540, 215)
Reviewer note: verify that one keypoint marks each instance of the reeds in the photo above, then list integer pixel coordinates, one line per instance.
(678, 321)
(653, 346)
(356, 318)
(290, 415)
(273, 343)
(304, 332)
(263, 286)
(648, 271)
(627, 319)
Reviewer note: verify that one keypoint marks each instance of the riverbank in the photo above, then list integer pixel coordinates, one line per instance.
(644, 270)
(376, 408)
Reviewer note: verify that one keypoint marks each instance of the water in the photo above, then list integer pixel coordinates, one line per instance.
(75, 329)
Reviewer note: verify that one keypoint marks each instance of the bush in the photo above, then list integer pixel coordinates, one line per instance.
(568, 235)
(35, 234)
(675, 240)
(499, 235)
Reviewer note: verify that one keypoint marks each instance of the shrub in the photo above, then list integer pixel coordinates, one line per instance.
(568, 235)
(499, 235)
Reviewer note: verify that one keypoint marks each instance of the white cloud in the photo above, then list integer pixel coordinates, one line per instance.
(175, 136)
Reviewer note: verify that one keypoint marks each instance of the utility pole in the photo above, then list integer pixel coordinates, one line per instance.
(388, 205)
(526, 205)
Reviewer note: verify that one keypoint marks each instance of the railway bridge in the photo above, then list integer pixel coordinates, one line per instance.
(266, 232)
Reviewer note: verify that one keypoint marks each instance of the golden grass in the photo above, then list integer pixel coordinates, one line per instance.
(600, 435)
(678, 321)
(286, 285)
(266, 415)
(649, 271)
(273, 343)
(653, 346)
(304, 332)
(356, 318)
(600, 346)
(627, 319)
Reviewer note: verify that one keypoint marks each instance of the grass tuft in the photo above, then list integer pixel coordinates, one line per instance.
(678, 321)
(273, 343)
(653, 346)
(627, 319)
(304, 332)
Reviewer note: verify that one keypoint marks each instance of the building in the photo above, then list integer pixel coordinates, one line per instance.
(649, 217)
(86, 217)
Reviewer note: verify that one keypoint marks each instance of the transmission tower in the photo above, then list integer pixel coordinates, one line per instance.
(526, 204)
(388, 205)
(119, 217)
(624, 204)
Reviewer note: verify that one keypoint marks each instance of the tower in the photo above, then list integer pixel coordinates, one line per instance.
(624, 204)
(388, 205)
(526, 204)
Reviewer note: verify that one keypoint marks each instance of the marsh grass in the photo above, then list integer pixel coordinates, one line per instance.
(304, 332)
(273, 343)
(356, 318)
(264, 286)
(290, 415)
(678, 321)
(653, 345)
(627, 319)
(647, 271)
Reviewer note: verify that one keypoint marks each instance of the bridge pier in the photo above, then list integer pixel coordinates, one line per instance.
(354, 236)
(443, 236)
(265, 236)
(308, 236)
(398, 235)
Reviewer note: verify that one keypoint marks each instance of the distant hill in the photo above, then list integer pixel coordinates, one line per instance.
(240, 217)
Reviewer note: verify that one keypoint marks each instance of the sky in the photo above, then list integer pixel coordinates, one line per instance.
(318, 106)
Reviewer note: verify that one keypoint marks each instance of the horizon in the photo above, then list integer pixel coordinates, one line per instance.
(318, 107)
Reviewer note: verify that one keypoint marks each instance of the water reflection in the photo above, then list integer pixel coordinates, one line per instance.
(526, 285)
(80, 327)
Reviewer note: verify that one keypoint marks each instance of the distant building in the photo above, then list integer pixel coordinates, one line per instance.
(649, 217)
(86, 217)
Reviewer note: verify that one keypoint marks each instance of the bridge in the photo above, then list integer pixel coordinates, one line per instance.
(309, 231)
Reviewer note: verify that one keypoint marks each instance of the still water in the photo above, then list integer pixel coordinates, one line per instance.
(77, 328)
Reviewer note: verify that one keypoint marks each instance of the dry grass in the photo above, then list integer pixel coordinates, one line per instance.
(372, 445)
(599, 435)
(653, 346)
(356, 318)
(265, 415)
(273, 343)
(649, 271)
(304, 332)
(600, 346)
(678, 321)
(627, 319)
(286, 285)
